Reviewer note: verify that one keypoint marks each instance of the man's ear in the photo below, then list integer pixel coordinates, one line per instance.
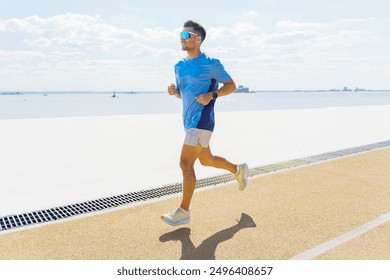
(199, 39)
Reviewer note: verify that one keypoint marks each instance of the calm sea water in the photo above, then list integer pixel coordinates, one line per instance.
(35, 105)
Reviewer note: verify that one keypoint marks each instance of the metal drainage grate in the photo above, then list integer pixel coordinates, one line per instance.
(57, 213)
(346, 152)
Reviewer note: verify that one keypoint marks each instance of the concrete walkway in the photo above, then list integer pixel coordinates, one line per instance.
(280, 216)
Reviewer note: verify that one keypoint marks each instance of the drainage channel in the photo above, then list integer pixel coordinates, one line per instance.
(53, 214)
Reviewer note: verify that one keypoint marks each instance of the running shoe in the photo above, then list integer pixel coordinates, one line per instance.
(177, 217)
(241, 176)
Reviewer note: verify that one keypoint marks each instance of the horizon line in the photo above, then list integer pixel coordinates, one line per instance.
(162, 91)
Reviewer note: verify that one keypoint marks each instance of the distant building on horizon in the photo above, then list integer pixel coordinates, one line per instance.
(241, 88)
(346, 89)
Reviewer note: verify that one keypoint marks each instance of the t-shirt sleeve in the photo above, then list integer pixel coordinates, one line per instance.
(219, 73)
(176, 77)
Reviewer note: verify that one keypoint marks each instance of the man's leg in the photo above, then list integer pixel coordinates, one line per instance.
(188, 156)
(240, 171)
(206, 158)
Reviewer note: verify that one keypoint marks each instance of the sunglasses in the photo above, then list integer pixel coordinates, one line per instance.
(187, 34)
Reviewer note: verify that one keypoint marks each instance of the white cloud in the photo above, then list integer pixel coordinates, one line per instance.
(58, 23)
(238, 29)
(353, 21)
(68, 54)
(21, 25)
(77, 40)
(110, 51)
(18, 55)
(157, 34)
(340, 23)
(222, 51)
(293, 48)
(140, 50)
(291, 37)
(286, 24)
(70, 30)
(215, 33)
(251, 14)
(314, 37)
(13, 70)
(244, 27)
(40, 42)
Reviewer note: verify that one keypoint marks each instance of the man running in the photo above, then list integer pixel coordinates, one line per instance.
(197, 79)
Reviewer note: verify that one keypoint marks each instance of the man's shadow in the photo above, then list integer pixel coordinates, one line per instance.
(206, 250)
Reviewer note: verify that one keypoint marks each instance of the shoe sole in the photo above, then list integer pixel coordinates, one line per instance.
(245, 167)
(181, 222)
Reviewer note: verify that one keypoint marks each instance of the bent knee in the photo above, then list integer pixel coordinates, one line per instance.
(206, 161)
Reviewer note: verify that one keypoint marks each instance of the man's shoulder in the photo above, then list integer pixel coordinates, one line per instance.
(202, 60)
(181, 61)
(211, 60)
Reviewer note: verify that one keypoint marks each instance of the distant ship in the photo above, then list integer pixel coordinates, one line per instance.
(241, 88)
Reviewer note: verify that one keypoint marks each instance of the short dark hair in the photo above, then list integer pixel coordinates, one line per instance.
(198, 28)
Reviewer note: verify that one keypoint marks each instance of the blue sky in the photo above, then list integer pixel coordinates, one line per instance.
(133, 45)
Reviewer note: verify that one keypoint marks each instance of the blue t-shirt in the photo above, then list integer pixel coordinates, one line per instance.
(193, 78)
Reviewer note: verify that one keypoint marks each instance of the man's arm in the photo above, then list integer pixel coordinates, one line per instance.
(228, 87)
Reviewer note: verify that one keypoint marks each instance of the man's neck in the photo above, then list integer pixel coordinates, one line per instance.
(193, 53)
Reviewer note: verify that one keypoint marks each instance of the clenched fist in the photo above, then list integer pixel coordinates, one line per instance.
(172, 90)
(205, 98)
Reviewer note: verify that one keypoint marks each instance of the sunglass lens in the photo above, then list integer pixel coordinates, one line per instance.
(185, 35)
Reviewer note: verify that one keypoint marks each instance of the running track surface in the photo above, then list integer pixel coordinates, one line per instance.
(338, 209)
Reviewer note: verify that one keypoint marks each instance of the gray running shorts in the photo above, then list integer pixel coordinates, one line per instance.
(195, 136)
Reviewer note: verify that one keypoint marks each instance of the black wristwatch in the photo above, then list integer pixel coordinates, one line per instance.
(215, 95)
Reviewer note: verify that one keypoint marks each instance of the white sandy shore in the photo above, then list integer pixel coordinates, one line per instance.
(57, 161)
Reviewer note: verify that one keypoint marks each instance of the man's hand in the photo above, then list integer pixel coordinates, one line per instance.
(205, 98)
(228, 87)
(172, 90)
